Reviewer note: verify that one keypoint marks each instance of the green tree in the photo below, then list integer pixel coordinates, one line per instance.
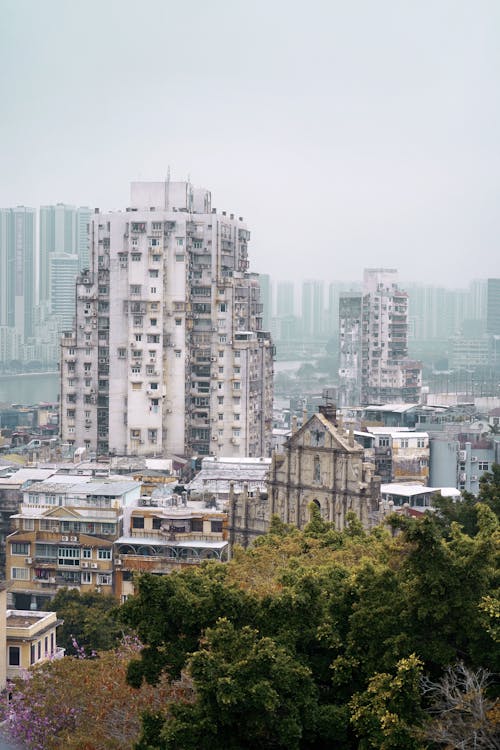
(250, 693)
(90, 619)
(387, 714)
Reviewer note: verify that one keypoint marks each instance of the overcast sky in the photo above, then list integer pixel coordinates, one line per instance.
(348, 134)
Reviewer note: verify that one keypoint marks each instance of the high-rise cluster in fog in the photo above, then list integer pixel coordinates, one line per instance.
(37, 278)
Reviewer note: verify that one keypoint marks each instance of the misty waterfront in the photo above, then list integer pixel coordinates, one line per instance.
(29, 388)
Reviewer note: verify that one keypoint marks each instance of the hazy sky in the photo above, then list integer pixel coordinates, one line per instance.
(348, 134)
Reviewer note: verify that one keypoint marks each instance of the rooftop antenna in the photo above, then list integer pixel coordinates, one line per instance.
(167, 188)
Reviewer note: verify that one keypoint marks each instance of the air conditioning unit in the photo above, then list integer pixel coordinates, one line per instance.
(64, 539)
(85, 565)
(474, 478)
(28, 560)
(473, 460)
(463, 477)
(213, 359)
(73, 539)
(462, 455)
(214, 437)
(118, 562)
(94, 566)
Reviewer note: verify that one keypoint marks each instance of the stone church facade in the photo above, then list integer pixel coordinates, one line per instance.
(321, 464)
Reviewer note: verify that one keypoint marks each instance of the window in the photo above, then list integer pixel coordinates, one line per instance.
(152, 322)
(20, 574)
(104, 554)
(383, 442)
(178, 321)
(138, 336)
(197, 524)
(137, 522)
(179, 257)
(153, 338)
(420, 443)
(153, 273)
(403, 443)
(152, 436)
(153, 290)
(14, 656)
(317, 469)
(223, 307)
(220, 400)
(180, 241)
(86, 553)
(68, 556)
(138, 320)
(136, 386)
(20, 548)
(216, 527)
(178, 353)
(135, 257)
(29, 524)
(135, 289)
(221, 417)
(86, 576)
(32, 653)
(104, 580)
(483, 466)
(221, 370)
(222, 339)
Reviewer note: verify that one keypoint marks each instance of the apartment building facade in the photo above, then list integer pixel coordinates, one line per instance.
(168, 355)
(64, 534)
(374, 361)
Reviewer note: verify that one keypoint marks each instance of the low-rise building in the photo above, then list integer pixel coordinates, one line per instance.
(30, 639)
(401, 455)
(64, 534)
(163, 534)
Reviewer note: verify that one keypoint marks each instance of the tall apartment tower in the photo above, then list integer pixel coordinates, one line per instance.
(350, 327)
(373, 352)
(168, 355)
(17, 269)
(387, 375)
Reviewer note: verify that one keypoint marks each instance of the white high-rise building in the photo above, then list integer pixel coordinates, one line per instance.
(168, 355)
(374, 364)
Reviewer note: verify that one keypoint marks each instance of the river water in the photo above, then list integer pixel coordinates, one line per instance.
(29, 388)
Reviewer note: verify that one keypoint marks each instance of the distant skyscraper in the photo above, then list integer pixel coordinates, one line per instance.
(493, 307)
(17, 268)
(63, 273)
(63, 229)
(267, 300)
(313, 308)
(285, 299)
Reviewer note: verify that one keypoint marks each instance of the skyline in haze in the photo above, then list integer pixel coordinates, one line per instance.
(348, 135)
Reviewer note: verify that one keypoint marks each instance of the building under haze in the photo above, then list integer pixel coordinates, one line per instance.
(168, 355)
(63, 229)
(373, 344)
(493, 307)
(17, 269)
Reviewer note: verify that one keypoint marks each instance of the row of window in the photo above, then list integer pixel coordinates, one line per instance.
(50, 550)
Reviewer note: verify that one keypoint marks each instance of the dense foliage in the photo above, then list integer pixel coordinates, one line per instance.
(90, 619)
(318, 638)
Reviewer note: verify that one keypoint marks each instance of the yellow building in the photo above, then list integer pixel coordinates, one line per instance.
(31, 639)
(3, 636)
(64, 536)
